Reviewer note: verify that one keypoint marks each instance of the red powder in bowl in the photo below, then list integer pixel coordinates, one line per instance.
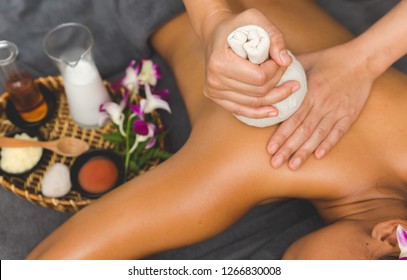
(98, 175)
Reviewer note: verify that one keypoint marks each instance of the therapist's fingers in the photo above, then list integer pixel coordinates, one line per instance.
(317, 134)
(320, 132)
(243, 76)
(256, 107)
(280, 55)
(287, 128)
(340, 128)
(324, 137)
(274, 95)
(242, 110)
(302, 133)
(220, 87)
(278, 50)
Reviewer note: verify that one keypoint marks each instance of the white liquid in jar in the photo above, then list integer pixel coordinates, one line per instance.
(85, 93)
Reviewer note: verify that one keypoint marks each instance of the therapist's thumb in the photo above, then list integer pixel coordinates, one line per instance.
(278, 50)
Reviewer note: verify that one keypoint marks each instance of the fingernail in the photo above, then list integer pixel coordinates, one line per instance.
(295, 88)
(285, 58)
(296, 163)
(273, 148)
(278, 161)
(320, 153)
(273, 114)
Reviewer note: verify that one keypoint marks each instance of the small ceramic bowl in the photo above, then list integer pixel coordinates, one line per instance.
(97, 172)
(35, 166)
(51, 100)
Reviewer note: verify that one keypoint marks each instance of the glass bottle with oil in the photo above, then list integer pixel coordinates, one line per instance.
(20, 85)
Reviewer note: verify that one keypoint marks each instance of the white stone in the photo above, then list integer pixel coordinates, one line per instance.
(252, 42)
(56, 181)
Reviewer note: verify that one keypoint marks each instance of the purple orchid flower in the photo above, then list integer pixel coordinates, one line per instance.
(144, 131)
(156, 70)
(402, 241)
(151, 143)
(140, 127)
(162, 93)
(117, 84)
(137, 110)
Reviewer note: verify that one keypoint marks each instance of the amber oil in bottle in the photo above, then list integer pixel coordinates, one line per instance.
(23, 92)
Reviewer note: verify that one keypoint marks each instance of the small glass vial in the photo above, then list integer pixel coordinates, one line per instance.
(23, 92)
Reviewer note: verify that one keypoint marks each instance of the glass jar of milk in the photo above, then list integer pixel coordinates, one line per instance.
(69, 46)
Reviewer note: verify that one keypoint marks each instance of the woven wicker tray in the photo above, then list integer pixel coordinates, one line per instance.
(60, 125)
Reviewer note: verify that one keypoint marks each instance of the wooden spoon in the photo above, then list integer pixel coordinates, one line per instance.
(69, 147)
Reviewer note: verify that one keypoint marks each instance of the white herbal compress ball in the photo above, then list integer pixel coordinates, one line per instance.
(253, 43)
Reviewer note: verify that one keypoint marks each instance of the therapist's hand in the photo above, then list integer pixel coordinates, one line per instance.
(236, 84)
(339, 84)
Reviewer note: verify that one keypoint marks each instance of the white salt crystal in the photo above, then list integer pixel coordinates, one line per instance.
(56, 181)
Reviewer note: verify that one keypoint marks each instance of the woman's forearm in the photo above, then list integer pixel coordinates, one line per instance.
(386, 41)
(205, 15)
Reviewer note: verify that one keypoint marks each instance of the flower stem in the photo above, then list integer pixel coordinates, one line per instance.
(129, 150)
(127, 159)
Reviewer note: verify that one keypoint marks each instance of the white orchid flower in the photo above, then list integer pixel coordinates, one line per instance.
(131, 79)
(153, 102)
(113, 111)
